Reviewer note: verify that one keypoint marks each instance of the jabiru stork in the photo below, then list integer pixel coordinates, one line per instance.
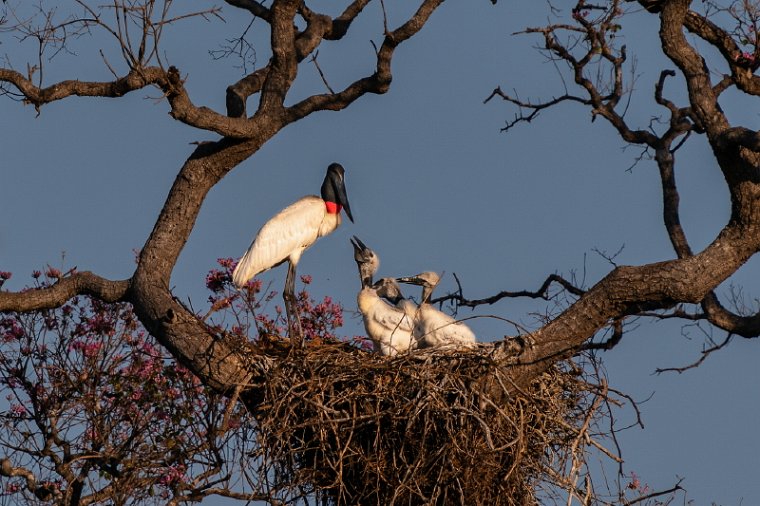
(293, 230)
(434, 328)
(389, 326)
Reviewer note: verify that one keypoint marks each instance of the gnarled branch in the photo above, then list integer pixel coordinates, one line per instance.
(79, 283)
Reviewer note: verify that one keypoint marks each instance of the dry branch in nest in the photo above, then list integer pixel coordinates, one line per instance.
(348, 427)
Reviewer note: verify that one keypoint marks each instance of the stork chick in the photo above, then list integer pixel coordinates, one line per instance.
(387, 325)
(434, 328)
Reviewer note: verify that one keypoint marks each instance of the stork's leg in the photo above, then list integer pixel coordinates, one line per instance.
(291, 306)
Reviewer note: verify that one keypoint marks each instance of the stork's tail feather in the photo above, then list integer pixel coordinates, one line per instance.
(244, 270)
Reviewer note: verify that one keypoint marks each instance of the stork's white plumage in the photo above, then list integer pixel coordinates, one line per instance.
(291, 231)
(388, 326)
(285, 237)
(434, 328)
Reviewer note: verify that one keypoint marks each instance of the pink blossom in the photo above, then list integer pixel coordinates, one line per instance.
(215, 280)
(12, 488)
(87, 348)
(635, 483)
(172, 475)
(92, 434)
(227, 263)
(18, 410)
(100, 324)
(253, 286)
(12, 330)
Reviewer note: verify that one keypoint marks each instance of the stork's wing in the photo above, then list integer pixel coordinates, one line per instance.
(437, 328)
(284, 237)
(393, 319)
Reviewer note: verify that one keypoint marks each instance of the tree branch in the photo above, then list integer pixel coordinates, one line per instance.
(255, 8)
(628, 291)
(319, 27)
(541, 293)
(168, 81)
(379, 82)
(705, 353)
(80, 283)
(701, 93)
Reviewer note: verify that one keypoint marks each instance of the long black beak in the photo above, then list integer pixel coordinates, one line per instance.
(340, 192)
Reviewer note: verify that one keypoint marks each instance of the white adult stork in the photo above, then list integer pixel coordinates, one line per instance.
(388, 326)
(434, 328)
(291, 231)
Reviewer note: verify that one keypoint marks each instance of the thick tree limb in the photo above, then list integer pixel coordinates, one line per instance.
(283, 64)
(168, 81)
(319, 27)
(701, 94)
(742, 69)
(80, 283)
(632, 290)
(134, 80)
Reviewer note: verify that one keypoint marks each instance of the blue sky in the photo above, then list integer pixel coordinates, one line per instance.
(433, 185)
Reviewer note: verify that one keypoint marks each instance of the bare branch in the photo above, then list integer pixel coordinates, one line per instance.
(319, 27)
(378, 82)
(692, 65)
(255, 8)
(745, 326)
(614, 339)
(80, 283)
(321, 74)
(595, 36)
(704, 354)
(541, 293)
(653, 495)
(535, 108)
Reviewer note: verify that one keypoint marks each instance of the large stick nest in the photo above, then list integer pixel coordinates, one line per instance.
(350, 427)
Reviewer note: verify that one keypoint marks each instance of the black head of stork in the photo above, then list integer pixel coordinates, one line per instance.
(334, 190)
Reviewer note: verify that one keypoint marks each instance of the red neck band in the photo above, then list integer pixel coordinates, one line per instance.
(332, 207)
